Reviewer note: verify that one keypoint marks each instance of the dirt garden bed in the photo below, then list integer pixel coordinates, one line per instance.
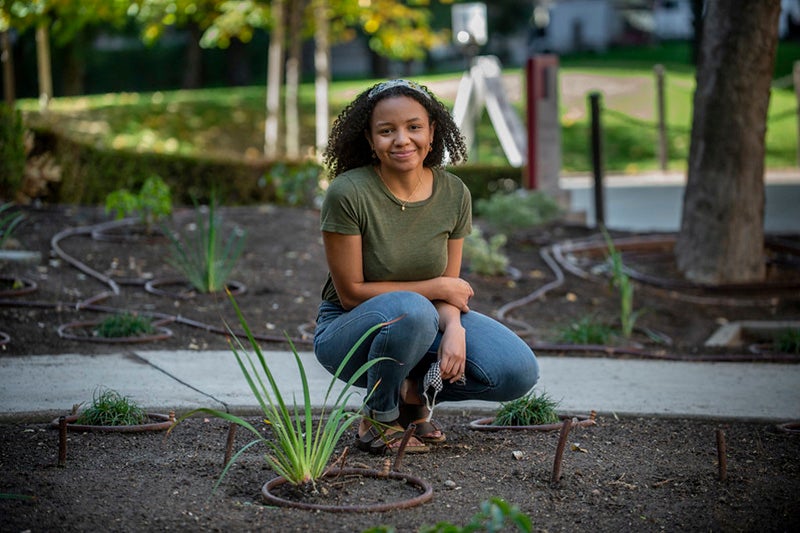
(626, 473)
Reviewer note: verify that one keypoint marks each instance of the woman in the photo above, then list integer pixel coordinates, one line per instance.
(393, 225)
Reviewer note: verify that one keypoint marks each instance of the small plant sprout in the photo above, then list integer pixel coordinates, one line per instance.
(789, 341)
(301, 450)
(124, 325)
(203, 258)
(529, 410)
(9, 221)
(621, 280)
(587, 330)
(110, 408)
(152, 204)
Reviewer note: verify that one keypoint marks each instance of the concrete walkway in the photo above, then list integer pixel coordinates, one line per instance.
(40, 387)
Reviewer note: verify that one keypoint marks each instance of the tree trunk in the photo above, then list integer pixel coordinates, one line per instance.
(44, 66)
(293, 64)
(193, 71)
(74, 67)
(722, 228)
(322, 68)
(237, 68)
(7, 56)
(274, 80)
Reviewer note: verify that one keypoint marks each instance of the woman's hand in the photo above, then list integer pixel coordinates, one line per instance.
(453, 353)
(457, 292)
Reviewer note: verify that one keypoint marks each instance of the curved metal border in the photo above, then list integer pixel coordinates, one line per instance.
(163, 333)
(153, 287)
(427, 493)
(485, 424)
(28, 287)
(162, 422)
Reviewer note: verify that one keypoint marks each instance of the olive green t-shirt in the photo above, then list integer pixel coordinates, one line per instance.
(396, 244)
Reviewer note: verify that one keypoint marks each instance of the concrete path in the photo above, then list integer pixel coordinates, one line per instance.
(39, 387)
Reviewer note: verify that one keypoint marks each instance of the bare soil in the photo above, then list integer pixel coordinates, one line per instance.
(629, 473)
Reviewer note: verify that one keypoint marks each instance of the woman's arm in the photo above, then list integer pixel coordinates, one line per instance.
(453, 347)
(343, 253)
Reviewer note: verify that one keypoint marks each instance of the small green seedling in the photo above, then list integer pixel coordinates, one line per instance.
(530, 410)
(587, 330)
(124, 325)
(110, 408)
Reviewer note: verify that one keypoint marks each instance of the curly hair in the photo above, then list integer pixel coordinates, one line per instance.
(348, 146)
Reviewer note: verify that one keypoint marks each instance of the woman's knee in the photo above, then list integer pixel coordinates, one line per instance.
(410, 310)
(520, 377)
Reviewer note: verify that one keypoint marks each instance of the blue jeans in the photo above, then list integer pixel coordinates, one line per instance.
(500, 366)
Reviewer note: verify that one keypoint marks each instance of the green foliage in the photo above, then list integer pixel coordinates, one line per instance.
(295, 186)
(529, 410)
(203, 257)
(302, 450)
(9, 221)
(110, 408)
(124, 325)
(485, 257)
(586, 331)
(521, 209)
(152, 203)
(495, 515)
(622, 282)
(12, 150)
(789, 341)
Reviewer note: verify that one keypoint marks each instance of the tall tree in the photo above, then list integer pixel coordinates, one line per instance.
(722, 228)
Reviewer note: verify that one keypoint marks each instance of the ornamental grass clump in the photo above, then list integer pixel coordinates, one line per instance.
(124, 325)
(587, 330)
(530, 410)
(110, 408)
(301, 449)
(202, 256)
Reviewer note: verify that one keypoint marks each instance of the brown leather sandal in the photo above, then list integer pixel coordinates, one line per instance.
(427, 430)
(379, 442)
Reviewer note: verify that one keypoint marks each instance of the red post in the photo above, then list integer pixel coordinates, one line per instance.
(538, 71)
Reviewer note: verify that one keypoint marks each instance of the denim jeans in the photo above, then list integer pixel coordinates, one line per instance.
(500, 366)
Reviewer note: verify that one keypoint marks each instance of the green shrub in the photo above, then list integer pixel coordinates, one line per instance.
(529, 410)
(124, 325)
(485, 257)
(295, 186)
(12, 151)
(152, 203)
(521, 209)
(789, 341)
(110, 408)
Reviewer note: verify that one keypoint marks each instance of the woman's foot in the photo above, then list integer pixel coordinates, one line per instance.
(386, 438)
(427, 431)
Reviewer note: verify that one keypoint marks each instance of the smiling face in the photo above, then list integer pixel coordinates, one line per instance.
(400, 132)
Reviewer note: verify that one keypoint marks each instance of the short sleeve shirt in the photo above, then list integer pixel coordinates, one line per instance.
(397, 244)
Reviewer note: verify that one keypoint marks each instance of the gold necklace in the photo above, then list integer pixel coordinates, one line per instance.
(403, 203)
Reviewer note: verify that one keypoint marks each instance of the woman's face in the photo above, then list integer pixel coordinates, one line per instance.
(400, 132)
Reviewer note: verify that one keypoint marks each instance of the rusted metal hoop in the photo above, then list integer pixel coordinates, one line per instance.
(792, 428)
(5, 338)
(63, 332)
(485, 424)
(427, 493)
(154, 287)
(161, 422)
(28, 286)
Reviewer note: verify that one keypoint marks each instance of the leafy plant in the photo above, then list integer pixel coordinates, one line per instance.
(151, 204)
(529, 410)
(789, 341)
(493, 515)
(295, 186)
(485, 257)
(110, 408)
(587, 330)
(9, 221)
(302, 450)
(124, 325)
(204, 259)
(621, 280)
(520, 209)
(12, 150)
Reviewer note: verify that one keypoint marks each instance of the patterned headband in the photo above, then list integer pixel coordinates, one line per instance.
(386, 85)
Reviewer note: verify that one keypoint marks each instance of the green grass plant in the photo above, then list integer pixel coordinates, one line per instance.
(203, 257)
(530, 410)
(301, 448)
(587, 330)
(124, 325)
(788, 341)
(9, 222)
(110, 408)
